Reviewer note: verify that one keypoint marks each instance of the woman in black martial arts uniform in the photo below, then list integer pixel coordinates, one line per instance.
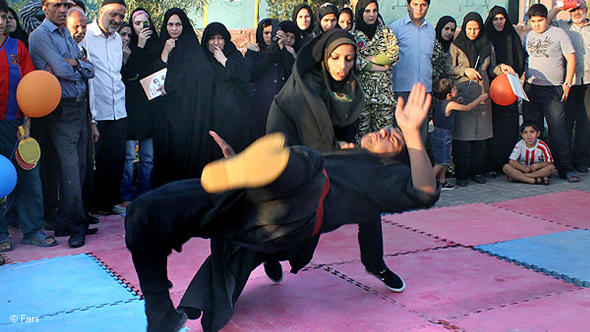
(282, 216)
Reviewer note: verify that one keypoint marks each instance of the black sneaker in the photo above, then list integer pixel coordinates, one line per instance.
(274, 271)
(446, 186)
(391, 280)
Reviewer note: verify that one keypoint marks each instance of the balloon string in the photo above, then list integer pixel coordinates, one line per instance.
(13, 150)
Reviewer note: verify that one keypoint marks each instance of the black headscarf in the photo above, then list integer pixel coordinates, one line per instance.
(325, 9)
(442, 22)
(348, 11)
(309, 30)
(289, 26)
(473, 48)
(216, 28)
(507, 43)
(153, 41)
(260, 32)
(19, 33)
(308, 97)
(367, 29)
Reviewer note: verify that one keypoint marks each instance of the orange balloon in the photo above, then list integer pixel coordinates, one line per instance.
(501, 91)
(38, 93)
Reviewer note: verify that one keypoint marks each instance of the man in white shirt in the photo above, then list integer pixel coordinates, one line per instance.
(107, 102)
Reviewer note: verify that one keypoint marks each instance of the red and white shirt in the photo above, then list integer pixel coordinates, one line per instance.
(527, 156)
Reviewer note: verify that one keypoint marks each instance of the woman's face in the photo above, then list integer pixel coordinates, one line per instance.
(371, 13)
(303, 19)
(385, 141)
(499, 22)
(138, 23)
(448, 31)
(267, 34)
(174, 26)
(472, 29)
(10, 22)
(328, 22)
(289, 39)
(345, 21)
(125, 34)
(341, 61)
(216, 41)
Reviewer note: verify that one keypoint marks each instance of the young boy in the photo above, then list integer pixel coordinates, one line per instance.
(530, 161)
(444, 121)
(26, 198)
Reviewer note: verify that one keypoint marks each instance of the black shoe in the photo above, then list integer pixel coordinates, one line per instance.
(478, 178)
(462, 183)
(61, 233)
(172, 321)
(491, 175)
(77, 240)
(91, 231)
(391, 280)
(274, 271)
(91, 219)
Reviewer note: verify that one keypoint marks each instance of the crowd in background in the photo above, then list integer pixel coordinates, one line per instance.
(107, 143)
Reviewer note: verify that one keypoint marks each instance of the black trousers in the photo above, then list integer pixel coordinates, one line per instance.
(577, 124)
(109, 161)
(470, 158)
(505, 125)
(545, 103)
(67, 127)
(48, 169)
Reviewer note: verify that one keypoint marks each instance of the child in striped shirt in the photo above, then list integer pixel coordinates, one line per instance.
(530, 160)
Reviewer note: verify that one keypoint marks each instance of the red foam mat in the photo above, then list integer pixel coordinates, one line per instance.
(570, 208)
(450, 282)
(474, 224)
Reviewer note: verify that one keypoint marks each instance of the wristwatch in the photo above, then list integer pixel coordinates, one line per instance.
(569, 85)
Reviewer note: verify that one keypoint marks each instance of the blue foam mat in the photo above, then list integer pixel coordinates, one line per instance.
(563, 255)
(128, 317)
(58, 285)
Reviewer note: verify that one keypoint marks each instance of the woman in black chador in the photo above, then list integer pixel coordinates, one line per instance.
(509, 50)
(230, 85)
(270, 61)
(318, 108)
(188, 110)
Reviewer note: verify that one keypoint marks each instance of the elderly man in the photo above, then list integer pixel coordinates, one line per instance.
(576, 112)
(415, 37)
(53, 49)
(107, 102)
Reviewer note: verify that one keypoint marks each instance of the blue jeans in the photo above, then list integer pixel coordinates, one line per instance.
(144, 174)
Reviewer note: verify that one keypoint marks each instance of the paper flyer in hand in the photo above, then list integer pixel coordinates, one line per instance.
(152, 85)
(517, 86)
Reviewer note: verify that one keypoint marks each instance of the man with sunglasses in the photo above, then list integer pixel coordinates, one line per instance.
(577, 112)
(52, 48)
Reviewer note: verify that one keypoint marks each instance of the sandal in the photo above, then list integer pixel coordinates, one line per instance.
(39, 239)
(5, 243)
(538, 180)
(572, 177)
(546, 180)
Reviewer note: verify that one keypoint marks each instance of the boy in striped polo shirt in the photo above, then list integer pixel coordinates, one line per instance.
(530, 160)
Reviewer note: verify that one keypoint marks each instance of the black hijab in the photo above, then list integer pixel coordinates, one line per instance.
(473, 48)
(298, 8)
(289, 26)
(260, 32)
(442, 22)
(153, 42)
(367, 29)
(348, 11)
(19, 33)
(325, 9)
(507, 43)
(216, 28)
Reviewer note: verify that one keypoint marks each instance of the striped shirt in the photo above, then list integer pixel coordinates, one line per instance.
(528, 156)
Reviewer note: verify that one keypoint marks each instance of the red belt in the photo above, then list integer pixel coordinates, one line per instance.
(320, 211)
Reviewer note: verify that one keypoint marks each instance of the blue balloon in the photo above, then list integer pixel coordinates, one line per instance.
(7, 176)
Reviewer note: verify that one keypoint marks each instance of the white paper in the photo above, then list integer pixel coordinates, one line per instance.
(517, 87)
(152, 85)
